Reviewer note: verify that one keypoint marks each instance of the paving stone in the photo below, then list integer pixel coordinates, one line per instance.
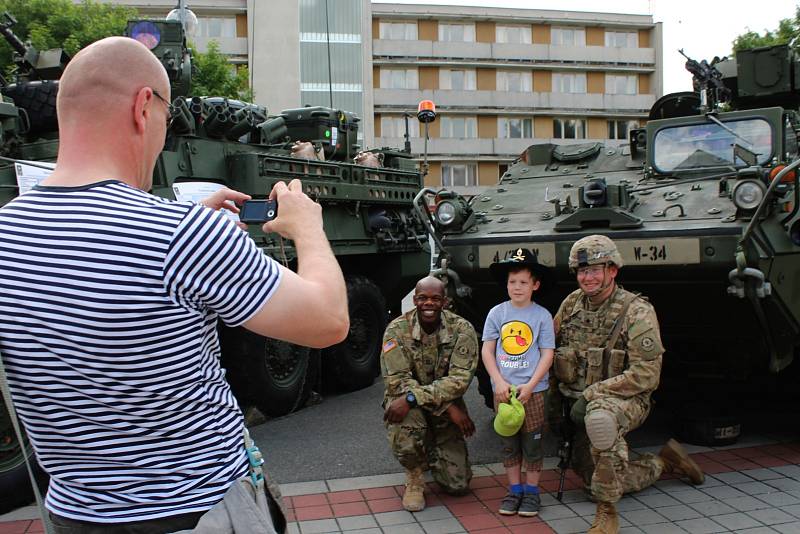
(734, 477)
(723, 492)
(754, 488)
(559, 511)
(303, 488)
(575, 496)
(771, 516)
(433, 513)
(701, 525)
(318, 526)
(652, 490)
(736, 521)
(679, 512)
(481, 471)
(442, 526)
(663, 528)
(292, 528)
(784, 484)
(374, 481)
(712, 508)
(548, 499)
(643, 517)
(671, 485)
(792, 471)
(793, 509)
(356, 522)
(365, 531)
(745, 504)
(657, 501)
(756, 530)
(394, 518)
(762, 474)
(710, 482)
(788, 528)
(405, 529)
(629, 503)
(779, 498)
(583, 509)
(692, 496)
(569, 525)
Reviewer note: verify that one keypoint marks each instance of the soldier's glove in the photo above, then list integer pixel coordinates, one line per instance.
(578, 411)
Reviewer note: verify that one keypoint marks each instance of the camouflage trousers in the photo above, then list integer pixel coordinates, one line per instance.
(609, 474)
(432, 442)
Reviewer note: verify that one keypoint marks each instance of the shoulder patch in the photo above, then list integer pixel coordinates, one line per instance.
(648, 344)
(389, 345)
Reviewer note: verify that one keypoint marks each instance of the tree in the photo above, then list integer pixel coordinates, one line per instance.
(62, 24)
(788, 31)
(215, 76)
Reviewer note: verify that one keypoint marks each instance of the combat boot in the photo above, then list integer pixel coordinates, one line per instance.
(414, 496)
(606, 520)
(676, 460)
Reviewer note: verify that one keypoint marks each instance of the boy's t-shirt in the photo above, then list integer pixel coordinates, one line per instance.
(520, 334)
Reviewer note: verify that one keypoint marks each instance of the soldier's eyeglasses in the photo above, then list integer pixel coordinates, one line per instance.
(170, 108)
(594, 271)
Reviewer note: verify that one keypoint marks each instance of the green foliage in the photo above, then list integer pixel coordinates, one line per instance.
(215, 76)
(62, 24)
(787, 31)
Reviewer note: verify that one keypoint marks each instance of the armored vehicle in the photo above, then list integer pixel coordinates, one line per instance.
(368, 212)
(702, 202)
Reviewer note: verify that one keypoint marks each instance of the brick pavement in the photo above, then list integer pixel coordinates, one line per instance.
(749, 489)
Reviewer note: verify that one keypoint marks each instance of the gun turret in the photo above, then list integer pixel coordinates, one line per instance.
(31, 63)
(707, 80)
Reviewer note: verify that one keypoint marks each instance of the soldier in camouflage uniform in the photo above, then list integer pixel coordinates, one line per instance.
(607, 364)
(429, 358)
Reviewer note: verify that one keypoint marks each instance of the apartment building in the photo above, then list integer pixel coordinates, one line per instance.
(503, 79)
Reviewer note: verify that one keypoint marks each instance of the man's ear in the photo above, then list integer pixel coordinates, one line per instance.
(142, 107)
(612, 270)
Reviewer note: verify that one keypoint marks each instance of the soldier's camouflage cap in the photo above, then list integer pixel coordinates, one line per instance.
(594, 250)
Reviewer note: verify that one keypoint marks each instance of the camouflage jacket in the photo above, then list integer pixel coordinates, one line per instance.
(437, 367)
(635, 366)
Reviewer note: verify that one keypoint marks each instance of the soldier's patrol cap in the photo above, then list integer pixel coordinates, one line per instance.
(594, 250)
(522, 257)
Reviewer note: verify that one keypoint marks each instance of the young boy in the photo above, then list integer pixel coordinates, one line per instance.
(518, 343)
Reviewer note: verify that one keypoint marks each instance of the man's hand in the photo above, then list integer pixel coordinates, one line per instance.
(525, 391)
(228, 199)
(461, 419)
(298, 215)
(502, 390)
(396, 411)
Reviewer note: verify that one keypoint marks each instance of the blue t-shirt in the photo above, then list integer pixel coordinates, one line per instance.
(520, 333)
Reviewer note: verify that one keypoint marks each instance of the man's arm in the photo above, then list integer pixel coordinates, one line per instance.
(397, 370)
(310, 307)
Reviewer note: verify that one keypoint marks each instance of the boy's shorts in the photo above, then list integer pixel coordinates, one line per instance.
(526, 446)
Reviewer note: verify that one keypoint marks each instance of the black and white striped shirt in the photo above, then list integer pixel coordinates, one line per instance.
(109, 299)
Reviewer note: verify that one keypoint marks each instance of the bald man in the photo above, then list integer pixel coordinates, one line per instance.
(428, 361)
(110, 301)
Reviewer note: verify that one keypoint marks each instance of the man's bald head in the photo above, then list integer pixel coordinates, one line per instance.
(103, 78)
(430, 283)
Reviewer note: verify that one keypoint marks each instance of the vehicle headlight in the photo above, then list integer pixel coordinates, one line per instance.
(748, 194)
(446, 213)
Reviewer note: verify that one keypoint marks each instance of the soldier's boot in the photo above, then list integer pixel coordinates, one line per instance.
(414, 496)
(677, 460)
(606, 520)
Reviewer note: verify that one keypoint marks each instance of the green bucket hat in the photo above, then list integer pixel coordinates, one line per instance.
(509, 416)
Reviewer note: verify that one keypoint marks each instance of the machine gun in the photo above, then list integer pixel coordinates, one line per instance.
(31, 63)
(564, 447)
(707, 80)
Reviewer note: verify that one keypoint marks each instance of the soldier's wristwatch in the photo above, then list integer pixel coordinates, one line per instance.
(411, 399)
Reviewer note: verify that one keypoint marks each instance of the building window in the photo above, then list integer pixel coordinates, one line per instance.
(619, 129)
(457, 79)
(568, 36)
(621, 84)
(399, 79)
(514, 128)
(398, 31)
(459, 127)
(216, 27)
(459, 174)
(569, 128)
(622, 39)
(569, 82)
(395, 126)
(459, 33)
(513, 34)
(514, 81)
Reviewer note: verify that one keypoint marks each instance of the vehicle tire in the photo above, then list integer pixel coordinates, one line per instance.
(38, 99)
(355, 362)
(15, 484)
(277, 377)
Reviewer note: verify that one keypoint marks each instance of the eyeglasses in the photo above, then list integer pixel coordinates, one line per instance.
(170, 108)
(594, 271)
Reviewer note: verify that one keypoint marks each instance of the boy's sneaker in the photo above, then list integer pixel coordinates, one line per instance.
(529, 506)
(510, 503)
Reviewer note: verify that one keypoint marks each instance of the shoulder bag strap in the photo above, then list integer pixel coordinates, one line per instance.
(612, 339)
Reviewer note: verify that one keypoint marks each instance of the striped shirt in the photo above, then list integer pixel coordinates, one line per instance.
(109, 299)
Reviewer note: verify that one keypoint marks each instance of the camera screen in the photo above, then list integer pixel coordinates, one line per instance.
(258, 210)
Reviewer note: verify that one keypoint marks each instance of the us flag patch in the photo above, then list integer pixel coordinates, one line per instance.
(389, 345)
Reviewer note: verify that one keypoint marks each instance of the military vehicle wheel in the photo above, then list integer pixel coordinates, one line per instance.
(38, 99)
(354, 363)
(15, 484)
(277, 377)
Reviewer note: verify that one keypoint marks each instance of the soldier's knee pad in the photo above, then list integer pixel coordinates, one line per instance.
(511, 447)
(602, 429)
(532, 448)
